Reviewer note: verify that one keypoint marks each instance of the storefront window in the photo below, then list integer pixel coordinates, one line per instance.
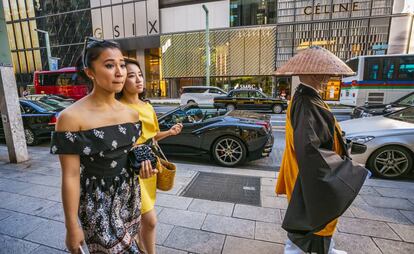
(154, 88)
(283, 88)
(332, 90)
(252, 12)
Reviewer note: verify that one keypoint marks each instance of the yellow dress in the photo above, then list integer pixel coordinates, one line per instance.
(150, 128)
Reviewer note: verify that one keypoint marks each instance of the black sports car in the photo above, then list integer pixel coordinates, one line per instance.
(249, 99)
(381, 109)
(231, 138)
(39, 121)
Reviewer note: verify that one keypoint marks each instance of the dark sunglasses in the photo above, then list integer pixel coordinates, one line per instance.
(89, 43)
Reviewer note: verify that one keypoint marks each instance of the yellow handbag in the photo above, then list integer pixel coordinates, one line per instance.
(166, 172)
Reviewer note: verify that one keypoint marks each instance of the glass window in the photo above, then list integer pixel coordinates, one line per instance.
(241, 94)
(372, 69)
(353, 64)
(406, 68)
(194, 90)
(51, 7)
(66, 79)
(409, 100)
(252, 12)
(255, 94)
(214, 90)
(28, 110)
(406, 115)
(388, 69)
(48, 79)
(44, 106)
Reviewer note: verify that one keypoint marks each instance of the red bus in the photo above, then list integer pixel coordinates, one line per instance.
(65, 81)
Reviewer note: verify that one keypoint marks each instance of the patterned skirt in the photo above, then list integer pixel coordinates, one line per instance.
(109, 212)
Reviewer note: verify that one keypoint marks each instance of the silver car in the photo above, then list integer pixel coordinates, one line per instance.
(389, 140)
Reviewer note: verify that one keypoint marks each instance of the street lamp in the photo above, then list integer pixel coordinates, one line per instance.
(49, 54)
(207, 47)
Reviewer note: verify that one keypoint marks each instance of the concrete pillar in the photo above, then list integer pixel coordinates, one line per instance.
(9, 101)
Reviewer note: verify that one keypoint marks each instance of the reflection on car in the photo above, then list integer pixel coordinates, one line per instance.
(389, 140)
(39, 120)
(230, 138)
(59, 102)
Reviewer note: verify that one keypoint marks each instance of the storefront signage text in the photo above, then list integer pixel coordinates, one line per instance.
(322, 9)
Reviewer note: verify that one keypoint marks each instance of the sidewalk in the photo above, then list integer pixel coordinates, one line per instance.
(381, 220)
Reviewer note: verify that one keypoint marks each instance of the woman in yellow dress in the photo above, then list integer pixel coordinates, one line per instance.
(132, 96)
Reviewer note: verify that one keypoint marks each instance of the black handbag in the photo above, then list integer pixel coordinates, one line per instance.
(141, 153)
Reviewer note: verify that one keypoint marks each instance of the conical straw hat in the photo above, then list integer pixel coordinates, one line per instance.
(314, 60)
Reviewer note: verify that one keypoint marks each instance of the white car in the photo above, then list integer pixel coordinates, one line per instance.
(389, 140)
(202, 95)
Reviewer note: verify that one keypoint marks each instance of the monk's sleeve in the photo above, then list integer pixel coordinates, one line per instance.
(327, 183)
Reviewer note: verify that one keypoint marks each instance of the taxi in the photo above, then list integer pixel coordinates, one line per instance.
(250, 99)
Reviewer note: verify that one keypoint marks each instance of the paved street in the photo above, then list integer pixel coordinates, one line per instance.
(381, 220)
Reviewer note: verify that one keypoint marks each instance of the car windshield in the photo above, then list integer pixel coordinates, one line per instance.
(46, 107)
(193, 114)
(405, 115)
(56, 103)
(408, 101)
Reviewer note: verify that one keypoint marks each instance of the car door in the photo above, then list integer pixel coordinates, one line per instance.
(242, 99)
(258, 100)
(187, 142)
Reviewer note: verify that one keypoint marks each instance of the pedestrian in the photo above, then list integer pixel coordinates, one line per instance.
(316, 173)
(133, 96)
(26, 92)
(93, 137)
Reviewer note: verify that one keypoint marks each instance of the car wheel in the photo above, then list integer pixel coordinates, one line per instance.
(230, 107)
(190, 101)
(229, 151)
(31, 138)
(277, 109)
(391, 162)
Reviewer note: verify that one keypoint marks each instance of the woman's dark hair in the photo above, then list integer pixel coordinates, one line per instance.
(92, 49)
(128, 61)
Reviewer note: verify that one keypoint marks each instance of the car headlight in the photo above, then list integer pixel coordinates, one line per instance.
(364, 114)
(361, 139)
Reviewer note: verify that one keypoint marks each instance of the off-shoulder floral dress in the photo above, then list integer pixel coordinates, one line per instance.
(109, 206)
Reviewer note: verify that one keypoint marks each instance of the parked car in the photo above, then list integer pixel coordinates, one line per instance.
(230, 138)
(57, 101)
(202, 95)
(380, 109)
(250, 99)
(389, 140)
(39, 121)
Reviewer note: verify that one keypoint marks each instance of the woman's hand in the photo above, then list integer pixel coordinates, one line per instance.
(74, 239)
(176, 129)
(146, 170)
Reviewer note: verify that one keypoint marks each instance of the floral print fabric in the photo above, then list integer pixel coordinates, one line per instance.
(109, 207)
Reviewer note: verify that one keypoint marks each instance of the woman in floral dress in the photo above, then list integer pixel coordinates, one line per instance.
(93, 137)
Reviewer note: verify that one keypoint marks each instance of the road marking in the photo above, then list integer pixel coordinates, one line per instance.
(250, 188)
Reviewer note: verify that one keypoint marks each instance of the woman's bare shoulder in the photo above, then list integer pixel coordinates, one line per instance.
(70, 118)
